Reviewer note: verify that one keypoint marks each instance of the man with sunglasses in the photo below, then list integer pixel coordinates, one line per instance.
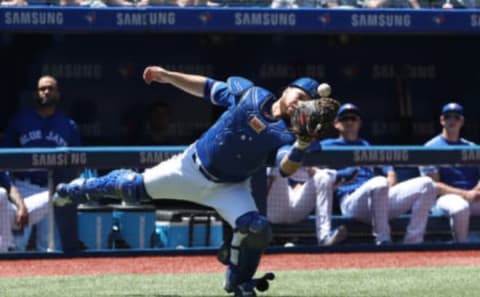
(43, 125)
(458, 186)
(375, 199)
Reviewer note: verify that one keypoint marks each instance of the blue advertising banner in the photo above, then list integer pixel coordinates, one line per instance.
(168, 19)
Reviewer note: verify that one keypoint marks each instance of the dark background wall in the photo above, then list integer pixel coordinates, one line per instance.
(399, 81)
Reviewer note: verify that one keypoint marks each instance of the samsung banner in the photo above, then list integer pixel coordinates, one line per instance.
(237, 20)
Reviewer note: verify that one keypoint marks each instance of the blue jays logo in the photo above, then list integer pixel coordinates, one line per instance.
(205, 17)
(439, 19)
(325, 18)
(91, 17)
(350, 71)
(257, 125)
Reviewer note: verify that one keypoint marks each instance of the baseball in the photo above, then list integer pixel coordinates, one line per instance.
(324, 90)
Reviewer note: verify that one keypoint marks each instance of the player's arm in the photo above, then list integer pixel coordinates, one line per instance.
(290, 158)
(190, 83)
(391, 176)
(293, 160)
(443, 189)
(16, 197)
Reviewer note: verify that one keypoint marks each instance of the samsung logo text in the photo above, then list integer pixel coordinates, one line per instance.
(33, 18)
(381, 20)
(380, 156)
(265, 19)
(62, 159)
(145, 19)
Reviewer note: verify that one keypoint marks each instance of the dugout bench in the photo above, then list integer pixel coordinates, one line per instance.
(438, 229)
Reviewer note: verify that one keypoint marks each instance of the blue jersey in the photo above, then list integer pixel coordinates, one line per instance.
(5, 181)
(28, 129)
(244, 137)
(460, 177)
(364, 173)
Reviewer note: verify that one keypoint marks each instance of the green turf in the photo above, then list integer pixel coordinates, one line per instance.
(412, 282)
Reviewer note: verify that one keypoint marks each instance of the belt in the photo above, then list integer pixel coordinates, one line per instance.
(203, 170)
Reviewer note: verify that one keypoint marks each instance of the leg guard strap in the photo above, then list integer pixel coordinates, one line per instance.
(123, 183)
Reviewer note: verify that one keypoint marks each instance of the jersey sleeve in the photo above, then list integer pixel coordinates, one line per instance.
(5, 181)
(74, 134)
(387, 169)
(217, 93)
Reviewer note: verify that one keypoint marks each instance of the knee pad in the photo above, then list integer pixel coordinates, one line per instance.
(252, 235)
(257, 229)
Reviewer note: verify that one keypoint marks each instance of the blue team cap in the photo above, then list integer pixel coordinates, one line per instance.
(307, 84)
(348, 108)
(452, 107)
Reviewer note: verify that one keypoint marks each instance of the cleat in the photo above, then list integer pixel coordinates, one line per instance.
(335, 236)
(61, 201)
(246, 289)
(262, 284)
(70, 193)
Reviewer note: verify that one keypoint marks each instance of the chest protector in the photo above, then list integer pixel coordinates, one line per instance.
(241, 140)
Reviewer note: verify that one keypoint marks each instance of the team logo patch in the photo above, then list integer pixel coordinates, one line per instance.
(256, 125)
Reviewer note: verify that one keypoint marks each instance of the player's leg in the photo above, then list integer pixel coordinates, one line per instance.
(37, 206)
(36, 201)
(369, 203)
(289, 203)
(418, 195)
(323, 182)
(7, 217)
(252, 234)
(125, 184)
(458, 209)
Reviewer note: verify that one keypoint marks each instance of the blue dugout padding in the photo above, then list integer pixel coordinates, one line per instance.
(146, 156)
(139, 233)
(237, 19)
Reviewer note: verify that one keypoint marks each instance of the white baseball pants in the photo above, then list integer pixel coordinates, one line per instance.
(36, 201)
(459, 211)
(179, 178)
(289, 205)
(375, 203)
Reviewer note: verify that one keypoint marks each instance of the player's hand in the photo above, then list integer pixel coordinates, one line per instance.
(21, 219)
(155, 73)
(311, 171)
(472, 195)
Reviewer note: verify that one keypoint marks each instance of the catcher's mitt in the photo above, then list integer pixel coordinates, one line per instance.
(313, 118)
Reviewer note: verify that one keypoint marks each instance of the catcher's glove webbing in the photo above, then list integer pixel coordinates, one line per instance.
(313, 117)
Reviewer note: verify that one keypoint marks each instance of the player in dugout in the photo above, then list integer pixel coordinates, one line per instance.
(215, 170)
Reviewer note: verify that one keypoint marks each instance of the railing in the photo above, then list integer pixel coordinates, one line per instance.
(141, 157)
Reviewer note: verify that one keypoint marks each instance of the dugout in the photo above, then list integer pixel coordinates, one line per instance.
(399, 75)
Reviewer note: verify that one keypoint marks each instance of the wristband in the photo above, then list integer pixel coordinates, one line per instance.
(300, 144)
(296, 154)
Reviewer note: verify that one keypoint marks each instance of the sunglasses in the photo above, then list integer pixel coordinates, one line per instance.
(44, 88)
(349, 118)
(452, 116)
